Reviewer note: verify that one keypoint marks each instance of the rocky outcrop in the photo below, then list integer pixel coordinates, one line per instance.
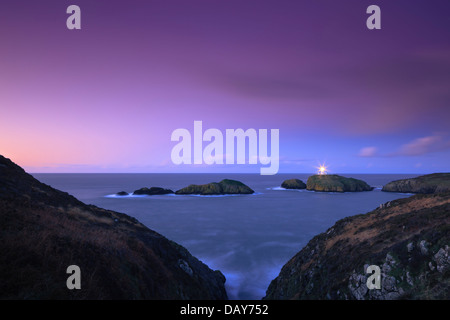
(225, 186)
(293, 184)
(44, 230)
(152, 191)
(122, 193)
(430, 183)
(336, 183)
(407, 239)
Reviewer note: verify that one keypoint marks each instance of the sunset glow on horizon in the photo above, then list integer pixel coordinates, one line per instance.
(106, 98)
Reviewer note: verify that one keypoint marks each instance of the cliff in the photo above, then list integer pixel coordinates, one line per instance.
(44, 230)
(225, 186)
(336, 183)
(407, 238)
(430, 183)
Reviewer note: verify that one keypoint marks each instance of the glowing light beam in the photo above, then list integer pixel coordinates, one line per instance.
(322, 169)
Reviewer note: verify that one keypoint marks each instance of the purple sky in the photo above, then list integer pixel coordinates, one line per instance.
(106, 98)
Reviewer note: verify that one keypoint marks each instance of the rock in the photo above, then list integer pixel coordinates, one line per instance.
(152, 191)
(357, 285)
(442, 259)
(389, 284)
(385, 205)
(430, 183)
(423, 246)
(293, 184)
(336, 183)
(122, 193)
(409, 279)
(225, 186)
(234, 187)
(185, 267)
(47, 230)
(333, 264)
(410, 246)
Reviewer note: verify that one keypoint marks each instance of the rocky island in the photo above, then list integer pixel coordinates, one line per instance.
(407, 238)
(225, 186)
(336, 183)
(152, 191)
(293, 184)
(45, 230)
(430, 183)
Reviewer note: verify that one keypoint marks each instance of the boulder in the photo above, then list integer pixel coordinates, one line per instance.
(152, 191)
(293, 184)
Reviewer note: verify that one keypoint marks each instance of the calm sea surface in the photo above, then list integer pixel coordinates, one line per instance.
(247, 237)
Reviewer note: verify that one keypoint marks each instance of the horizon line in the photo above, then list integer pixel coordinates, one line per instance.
(249, 173)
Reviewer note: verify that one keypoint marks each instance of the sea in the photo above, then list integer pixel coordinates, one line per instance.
(247, 237)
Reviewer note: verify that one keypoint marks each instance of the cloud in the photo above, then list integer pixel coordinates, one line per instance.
(273, 85)
(423, 146)
(368, 152)
(417, 147)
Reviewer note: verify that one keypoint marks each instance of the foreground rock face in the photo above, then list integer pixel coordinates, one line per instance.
(225, 186)
(430, 183)
(293, 184)
(336, 183)
(152, 191)
(45, 230)
(407, 238)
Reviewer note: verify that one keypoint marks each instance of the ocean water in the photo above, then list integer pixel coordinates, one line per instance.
(247, 237)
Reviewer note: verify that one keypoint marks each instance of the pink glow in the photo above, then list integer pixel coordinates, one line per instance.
(107, 97)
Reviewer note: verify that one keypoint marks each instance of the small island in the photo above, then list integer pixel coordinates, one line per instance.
(336, 183)
(429, 183)
(122, 193)
(223, 187)
(293, 184)
(152, 191)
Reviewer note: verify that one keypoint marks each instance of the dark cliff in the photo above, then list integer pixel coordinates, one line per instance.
(408, 239)
(44, 230)
(430, 183)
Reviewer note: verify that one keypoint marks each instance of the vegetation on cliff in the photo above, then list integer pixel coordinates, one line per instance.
(430, 183)
(407, 238)
(44, 230)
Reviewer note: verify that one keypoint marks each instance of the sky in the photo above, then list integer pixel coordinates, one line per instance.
(107, 97)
